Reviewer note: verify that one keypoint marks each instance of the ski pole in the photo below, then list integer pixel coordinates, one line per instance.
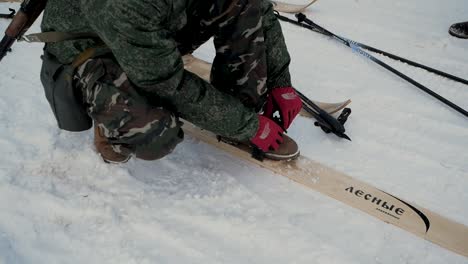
(413, 63)
(302, 18)
(324, 120)
(351, 44)
(388, 54)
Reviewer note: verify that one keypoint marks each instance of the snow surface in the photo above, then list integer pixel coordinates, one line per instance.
(59, 203)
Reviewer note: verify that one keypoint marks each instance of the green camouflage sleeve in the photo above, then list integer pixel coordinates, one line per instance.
(139, 35)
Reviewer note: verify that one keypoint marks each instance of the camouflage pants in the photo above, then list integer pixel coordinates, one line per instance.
(132, 125)
(251, 54)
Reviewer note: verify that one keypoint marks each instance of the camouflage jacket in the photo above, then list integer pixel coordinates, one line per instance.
(141, 35)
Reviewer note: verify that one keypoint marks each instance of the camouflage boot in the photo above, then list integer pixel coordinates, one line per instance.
(105, 149)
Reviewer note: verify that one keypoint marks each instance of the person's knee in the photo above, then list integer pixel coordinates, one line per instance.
(156, 146)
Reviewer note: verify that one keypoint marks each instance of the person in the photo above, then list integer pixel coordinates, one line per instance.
(125, 71)
(459, 30)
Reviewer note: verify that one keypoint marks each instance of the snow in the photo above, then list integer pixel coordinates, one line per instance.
(59, 203)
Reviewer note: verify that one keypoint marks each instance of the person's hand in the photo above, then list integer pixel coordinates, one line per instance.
(286, 101)
(269, 135)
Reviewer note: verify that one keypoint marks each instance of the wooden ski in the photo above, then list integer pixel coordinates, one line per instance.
(384, 206)
(291, 8)
(203, 69)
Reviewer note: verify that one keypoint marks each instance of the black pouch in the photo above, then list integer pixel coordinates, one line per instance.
(66, 101)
